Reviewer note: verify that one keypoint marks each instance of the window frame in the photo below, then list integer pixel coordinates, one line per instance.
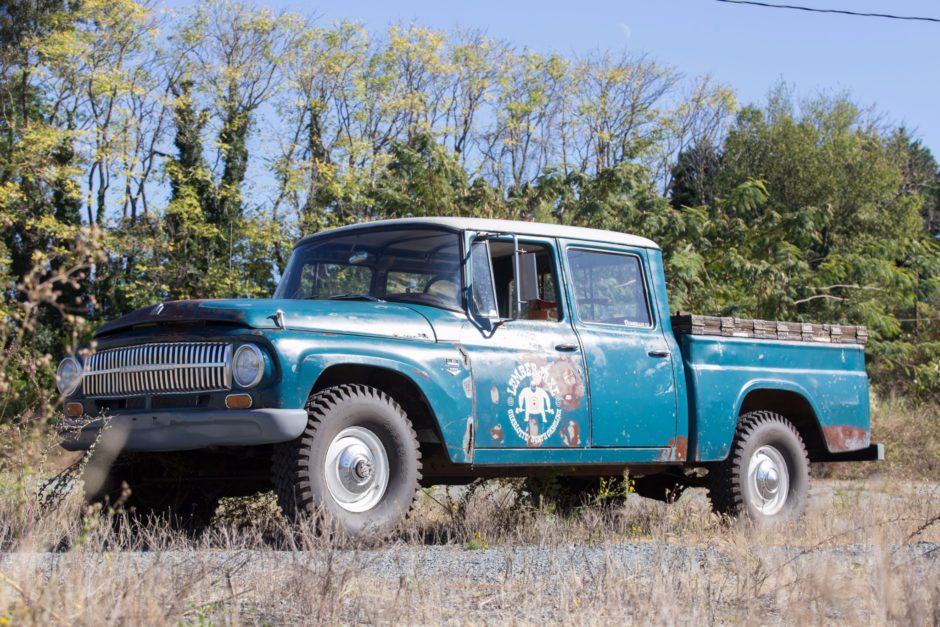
(573, 297)
(558, 272)
(377, 274)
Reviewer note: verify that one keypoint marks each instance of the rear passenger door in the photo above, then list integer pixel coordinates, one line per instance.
(629, 367)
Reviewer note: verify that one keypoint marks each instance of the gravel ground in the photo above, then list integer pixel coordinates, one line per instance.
(491, 565)
(498, 564)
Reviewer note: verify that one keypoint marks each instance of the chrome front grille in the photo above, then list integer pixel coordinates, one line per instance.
(170, 368)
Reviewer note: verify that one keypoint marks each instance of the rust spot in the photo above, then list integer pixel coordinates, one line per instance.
(682, 447)
(571, 434)
(840, 438)
(422, 373)
(677, 451)
(468, 437)
(569, 378)
(497, 433)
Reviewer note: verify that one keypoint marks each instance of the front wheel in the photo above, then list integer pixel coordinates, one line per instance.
(356, 467)
(766, 475)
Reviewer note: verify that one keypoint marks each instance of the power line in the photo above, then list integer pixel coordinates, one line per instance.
(794, 7)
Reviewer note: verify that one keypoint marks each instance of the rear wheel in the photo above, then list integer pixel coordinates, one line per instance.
(356, 467)
(766, 475)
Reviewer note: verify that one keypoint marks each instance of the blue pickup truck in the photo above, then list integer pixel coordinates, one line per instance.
(403, 353)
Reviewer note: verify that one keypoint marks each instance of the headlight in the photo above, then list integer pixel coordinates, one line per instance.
(248, 365)
(68, 376)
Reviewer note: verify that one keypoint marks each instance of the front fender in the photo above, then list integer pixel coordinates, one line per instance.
(436, 369)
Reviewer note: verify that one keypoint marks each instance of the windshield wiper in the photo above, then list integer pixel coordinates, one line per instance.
(356, 296)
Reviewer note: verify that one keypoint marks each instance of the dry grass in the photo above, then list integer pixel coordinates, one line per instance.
(864, 553)
(853, 559)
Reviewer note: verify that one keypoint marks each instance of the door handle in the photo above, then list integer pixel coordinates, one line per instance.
(566, 348)
(658, 354)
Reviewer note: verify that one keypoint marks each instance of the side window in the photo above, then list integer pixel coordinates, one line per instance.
(609, 288)
(493, 287)
(545, 305)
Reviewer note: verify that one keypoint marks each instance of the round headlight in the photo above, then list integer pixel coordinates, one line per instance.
(248, 365)
(68, 376)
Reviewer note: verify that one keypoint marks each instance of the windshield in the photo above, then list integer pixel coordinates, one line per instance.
(414, 265)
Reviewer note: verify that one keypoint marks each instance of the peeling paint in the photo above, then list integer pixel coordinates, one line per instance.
(841, 438)
(463, 353)
(468, 387)
(494, 395)
(678, 450)
(681, 444)
(468, 437)
(497, 434)
(571, 434)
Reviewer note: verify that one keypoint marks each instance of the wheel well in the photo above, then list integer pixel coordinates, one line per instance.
(402, 389)
(795, 408)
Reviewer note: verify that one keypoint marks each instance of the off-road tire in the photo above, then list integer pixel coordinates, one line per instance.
(729, 488)
(298, 467)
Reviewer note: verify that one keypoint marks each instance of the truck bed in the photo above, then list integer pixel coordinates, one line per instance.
(813, 374)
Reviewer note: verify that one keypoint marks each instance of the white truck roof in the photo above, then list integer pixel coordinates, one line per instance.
(538, 229)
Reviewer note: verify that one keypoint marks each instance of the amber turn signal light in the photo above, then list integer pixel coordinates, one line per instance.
(238, 401)
(74, 410)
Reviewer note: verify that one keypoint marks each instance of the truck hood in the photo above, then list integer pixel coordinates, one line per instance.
(334, 316)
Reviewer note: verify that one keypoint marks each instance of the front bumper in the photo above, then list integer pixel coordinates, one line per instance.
(183, 430)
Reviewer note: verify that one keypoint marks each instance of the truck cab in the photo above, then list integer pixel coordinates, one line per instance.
(411, 352)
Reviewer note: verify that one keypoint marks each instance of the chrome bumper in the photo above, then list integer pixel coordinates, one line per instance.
(183, 430)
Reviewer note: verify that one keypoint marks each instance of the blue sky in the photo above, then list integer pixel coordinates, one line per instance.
(891, 64)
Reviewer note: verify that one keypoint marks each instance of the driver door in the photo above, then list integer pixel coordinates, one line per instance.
(527, 373)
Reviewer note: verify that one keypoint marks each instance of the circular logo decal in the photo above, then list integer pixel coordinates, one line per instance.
(533, 409)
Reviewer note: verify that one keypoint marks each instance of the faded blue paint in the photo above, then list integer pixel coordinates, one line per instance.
(722, 371)
(372, 319)
(426, 368)
(632, 392)
(567, 457)
(618, 403)
(514, 358)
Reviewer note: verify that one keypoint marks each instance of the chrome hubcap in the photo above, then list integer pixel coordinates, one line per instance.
(769, 480)
(356, 469)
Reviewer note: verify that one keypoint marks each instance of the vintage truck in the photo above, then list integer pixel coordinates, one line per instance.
(404, 353)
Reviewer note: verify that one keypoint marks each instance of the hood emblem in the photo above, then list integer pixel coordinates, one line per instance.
(278, 317)
(157, 309)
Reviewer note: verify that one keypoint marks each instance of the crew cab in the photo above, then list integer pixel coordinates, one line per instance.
(420, 351)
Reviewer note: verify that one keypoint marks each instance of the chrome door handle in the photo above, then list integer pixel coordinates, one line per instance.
(566, 348)
(658, 354)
